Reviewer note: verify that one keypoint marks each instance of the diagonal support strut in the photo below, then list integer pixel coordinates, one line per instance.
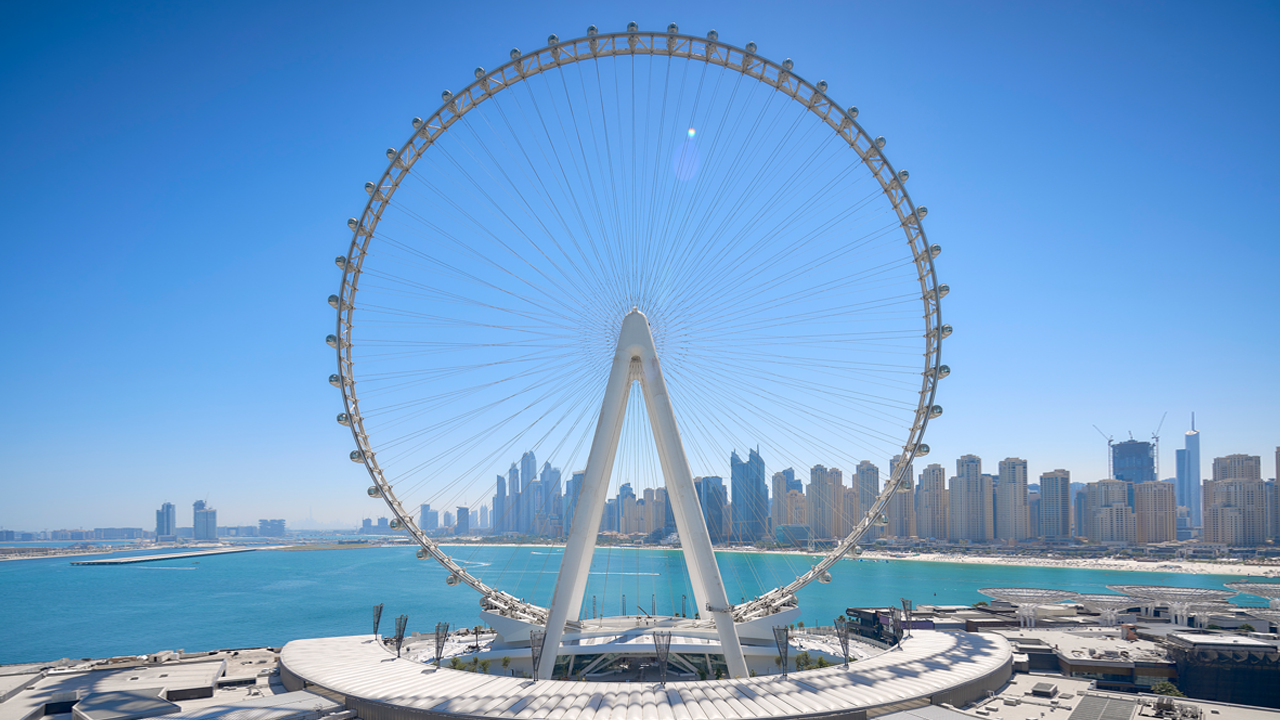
(635, 345)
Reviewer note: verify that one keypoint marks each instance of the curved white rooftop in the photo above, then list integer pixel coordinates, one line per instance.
(1102, 601)
(1162, 593)
(1269, 590)
(1028, 596)
(928, 664)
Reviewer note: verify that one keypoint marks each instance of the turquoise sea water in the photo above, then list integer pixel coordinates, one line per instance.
(50, 609)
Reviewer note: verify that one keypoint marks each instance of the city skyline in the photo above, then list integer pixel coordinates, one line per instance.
(1034, 242)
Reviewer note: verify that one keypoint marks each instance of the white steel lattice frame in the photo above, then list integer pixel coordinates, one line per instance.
(694, 49)
(1269, 591)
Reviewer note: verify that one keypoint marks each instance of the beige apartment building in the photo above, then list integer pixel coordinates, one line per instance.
(1235, 510)
(1156, 511)
(931, 503)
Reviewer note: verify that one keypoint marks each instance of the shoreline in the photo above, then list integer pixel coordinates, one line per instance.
(1183, 567)
(1122, 565)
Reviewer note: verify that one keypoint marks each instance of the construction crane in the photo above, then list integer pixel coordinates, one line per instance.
(1110, 440)
(1155, 440)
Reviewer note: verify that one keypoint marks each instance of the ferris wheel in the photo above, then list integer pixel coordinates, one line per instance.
(781, 266)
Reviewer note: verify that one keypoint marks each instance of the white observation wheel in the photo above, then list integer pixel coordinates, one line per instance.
(782, 266)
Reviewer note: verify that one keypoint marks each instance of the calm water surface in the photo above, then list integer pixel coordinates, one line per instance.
(50, 609)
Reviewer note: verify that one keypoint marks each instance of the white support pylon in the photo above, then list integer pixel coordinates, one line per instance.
(635, 346)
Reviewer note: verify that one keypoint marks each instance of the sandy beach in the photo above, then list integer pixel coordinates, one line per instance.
(1175, 566)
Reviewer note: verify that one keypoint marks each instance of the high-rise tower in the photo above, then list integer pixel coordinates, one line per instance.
(1055, 504)
(1188, 476)
(749, 495)
(166, 523)
(971, 503)
(1014, 521)
(931, 503)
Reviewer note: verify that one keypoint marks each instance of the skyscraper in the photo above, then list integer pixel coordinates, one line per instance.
(778, 499)
(528, 475)
(931, 503)
(1235, 510)
(901, 511)
(463, 526)
(1055, 504)
(746, 482)
(711, 496)
(971, 502)
(499, 505)
(868, 484)
(514, 516)
(1188, 476)
(572, 491)
(825, 502)
(484, 516)
(167, 523)
(1156, 512)
(1108, 514)
(205, 522)
(1014, 519)
(424, 511)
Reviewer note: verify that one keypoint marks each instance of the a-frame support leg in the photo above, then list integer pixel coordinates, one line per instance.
(637, 358)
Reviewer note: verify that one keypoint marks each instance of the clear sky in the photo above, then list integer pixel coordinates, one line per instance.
(177, 176)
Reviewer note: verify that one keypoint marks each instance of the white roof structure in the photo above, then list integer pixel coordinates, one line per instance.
(1028, 596)
(1101, 601)
(1268, 590)
(926, 665)
(1171, 594)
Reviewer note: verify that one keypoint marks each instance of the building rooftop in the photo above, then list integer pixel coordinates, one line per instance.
(926, 665)
(123, 705)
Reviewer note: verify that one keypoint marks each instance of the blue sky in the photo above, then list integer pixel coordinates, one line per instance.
(177, 179)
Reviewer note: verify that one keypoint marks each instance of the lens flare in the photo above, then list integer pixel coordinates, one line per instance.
(692, 132)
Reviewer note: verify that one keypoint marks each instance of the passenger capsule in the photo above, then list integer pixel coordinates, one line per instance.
(331, 341)
(935, 250)
(417, 123)
(880, 520)
(335, 302)
(341, 262)
(375, 491)
(822, 86)
(452, 580)
(553, 39)
(632, 27)
(921, 212)
(396, 524)
(903, 175)
(356, 456)
(592, 30)
(922, 450)
(943, 289)
(880, 141)
(788, 64)
(353, 223)
(446, 95)
(935, 411)
(344, 419)
(515, 53)
(852, 111)
(751, 48)
(369, 188)
(335, 380)
(479, 73)
(825, 578)
(943, 371)
(673, 29)
(946, 331)
(422, 554)
(713, 35)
